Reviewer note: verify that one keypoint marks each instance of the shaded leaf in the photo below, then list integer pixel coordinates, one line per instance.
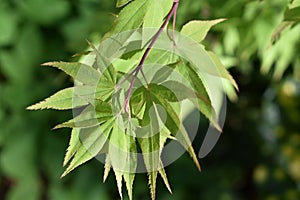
(138, 101)
(162, 75)
(36, 9)
(121, 3)
(222, 70)
(281, 27)
(292, 14)
(163, 92)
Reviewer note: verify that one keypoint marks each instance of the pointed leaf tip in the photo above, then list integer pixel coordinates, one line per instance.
(107, 168)
(119, 179)
(164, 177)
(48, 63)
(152, 183)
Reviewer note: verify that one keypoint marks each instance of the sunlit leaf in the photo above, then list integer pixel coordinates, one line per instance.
(197, 30)
(104, 125)
(154, 15)
(164, 177)
(150, 146)
(131, 17)
(74, 144)
(107, 168)
(119, 179)
(174, 124)
(92, 115)
(203, 102)
(91, 142)
(61, 100)
(80, 72)
(122, 153)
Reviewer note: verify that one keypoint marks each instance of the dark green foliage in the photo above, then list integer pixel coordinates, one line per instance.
(33, 32)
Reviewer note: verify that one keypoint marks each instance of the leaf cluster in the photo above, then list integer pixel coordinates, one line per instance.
(103, 126)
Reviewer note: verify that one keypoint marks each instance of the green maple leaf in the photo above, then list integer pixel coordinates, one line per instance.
(104, 126)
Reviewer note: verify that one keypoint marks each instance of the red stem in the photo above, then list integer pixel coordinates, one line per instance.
(140, 65)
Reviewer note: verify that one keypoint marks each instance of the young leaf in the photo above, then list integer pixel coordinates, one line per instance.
(129, 178)
(150, 146)
(80, 72)
(77, 96)
(122, 148)
(81, 156)
(153, 19)
(90, 116)
(61, 100)
(154, 15)
(164, 135)
(164, 177)
(163, 92)
(203, 100)
(122, 152)
(138, 100)
(119, 179)
(197, 56)
(174, 124)
(124, 66)
(92, 141)
(73, 146)
(197, 30)
(156, 12)
(107, 167)
(163, 74)
(131, 17)
(152, 183)
(160, 57)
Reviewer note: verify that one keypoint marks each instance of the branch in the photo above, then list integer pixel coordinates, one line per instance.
(171, 13)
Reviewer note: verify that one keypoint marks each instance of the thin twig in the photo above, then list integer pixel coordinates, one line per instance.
(140, 65)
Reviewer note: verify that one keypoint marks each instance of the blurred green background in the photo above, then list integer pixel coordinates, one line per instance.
(257, 157)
